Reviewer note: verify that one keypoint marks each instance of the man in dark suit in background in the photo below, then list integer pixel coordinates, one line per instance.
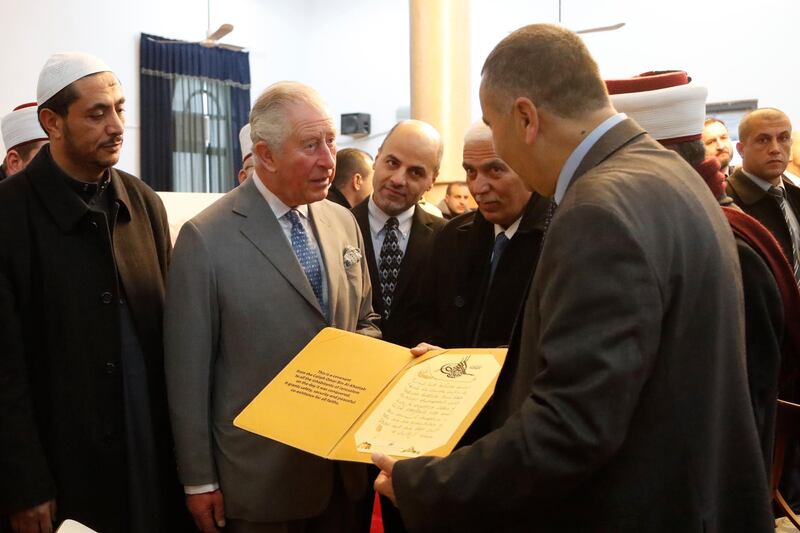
(352, 182)
(617, 406)
(717, 143)
(398, 234)
(759, 187)
(398, 240)
(483, 260)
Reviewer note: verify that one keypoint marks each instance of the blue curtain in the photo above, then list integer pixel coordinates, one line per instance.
(163, 61)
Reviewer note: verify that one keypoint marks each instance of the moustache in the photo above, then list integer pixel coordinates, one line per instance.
(112, 141)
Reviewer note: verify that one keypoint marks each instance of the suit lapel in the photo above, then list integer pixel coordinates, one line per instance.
(361, 212)
(331, 254)
(748, 192)
(262, 229)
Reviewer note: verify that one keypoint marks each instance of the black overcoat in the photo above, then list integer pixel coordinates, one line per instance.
(62, 277)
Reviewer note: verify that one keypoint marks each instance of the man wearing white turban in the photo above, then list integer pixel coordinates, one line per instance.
(23, 137)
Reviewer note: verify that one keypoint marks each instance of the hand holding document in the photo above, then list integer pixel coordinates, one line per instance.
(345, 396)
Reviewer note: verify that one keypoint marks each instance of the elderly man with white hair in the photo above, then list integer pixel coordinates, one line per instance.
(254, 277)
(495, 247)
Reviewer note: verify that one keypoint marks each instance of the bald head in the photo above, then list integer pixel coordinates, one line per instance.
(758, 117)
(422, 131)
(407, 165)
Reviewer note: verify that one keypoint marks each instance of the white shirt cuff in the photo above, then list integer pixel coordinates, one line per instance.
(200, 489)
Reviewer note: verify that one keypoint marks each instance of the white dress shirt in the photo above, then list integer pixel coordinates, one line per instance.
(377, 221)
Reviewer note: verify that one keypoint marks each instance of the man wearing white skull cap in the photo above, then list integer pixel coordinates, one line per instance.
(247, 155)
(22, 136)
(82, 265)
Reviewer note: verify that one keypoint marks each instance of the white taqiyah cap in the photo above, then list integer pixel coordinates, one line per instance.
(245, 142)
(666, 104)
(62, 69)
(22, 126)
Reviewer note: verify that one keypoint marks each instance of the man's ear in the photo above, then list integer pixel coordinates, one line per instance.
(264, 155)
(740, 148)
(435, 175)
(357, 181)
(52, 123)
(14, 162)
(526, 117)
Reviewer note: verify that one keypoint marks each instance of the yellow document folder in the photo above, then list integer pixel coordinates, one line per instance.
(345, 396)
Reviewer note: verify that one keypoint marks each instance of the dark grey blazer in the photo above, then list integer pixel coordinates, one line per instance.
(623, 403)
(238, 308)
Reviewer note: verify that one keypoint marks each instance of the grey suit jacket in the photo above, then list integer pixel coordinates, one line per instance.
(623, 405)
(238, 308)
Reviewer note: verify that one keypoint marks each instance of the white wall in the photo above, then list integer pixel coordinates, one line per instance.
(358, 59)
(739, 49)
(356, 52)
(35, 29)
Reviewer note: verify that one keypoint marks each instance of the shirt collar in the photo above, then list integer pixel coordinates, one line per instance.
(580, 151)
(510, 231)
(377, 218)
(793, 178)
(276, 204)
(762, 183)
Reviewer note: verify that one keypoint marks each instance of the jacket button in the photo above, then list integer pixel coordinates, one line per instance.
(106, 297)
(110, 368)
(93, 223)
(459, 301)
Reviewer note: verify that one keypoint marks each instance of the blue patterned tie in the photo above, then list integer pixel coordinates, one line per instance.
(389, 266)
(306, 254)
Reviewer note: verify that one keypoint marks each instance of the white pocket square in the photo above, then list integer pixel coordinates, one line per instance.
(352, 256)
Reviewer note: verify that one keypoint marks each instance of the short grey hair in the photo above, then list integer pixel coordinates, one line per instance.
(550, 66)
(478, 132)
(268, 120)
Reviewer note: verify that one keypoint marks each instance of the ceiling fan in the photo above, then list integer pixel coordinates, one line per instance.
(211, 40)
(592, 30)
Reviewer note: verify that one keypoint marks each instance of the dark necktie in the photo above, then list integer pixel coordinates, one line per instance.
(389, 265)
(779, 194)
(500, 243)
(307, 255)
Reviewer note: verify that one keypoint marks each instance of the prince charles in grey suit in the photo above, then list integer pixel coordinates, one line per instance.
(253, 279)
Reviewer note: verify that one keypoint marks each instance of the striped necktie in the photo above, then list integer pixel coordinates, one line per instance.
(780, 196)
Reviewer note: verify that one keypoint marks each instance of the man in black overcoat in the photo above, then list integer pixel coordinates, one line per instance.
(84, 250)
